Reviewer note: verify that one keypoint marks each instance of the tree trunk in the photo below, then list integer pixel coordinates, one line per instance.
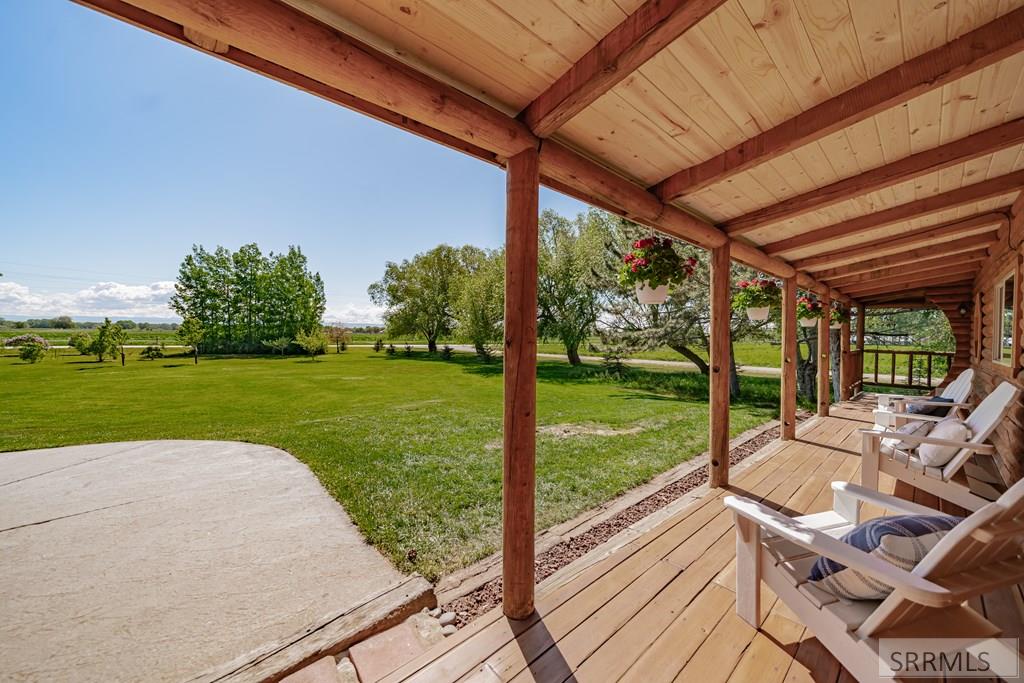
(432, 344)
(573, 352)
(195, 354)
(122, 359)
(691, 356)
(807, 371)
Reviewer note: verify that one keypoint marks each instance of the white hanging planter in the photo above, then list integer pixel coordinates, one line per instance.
(836, 326)
(758, 313)
(651, 295)
(808, 322)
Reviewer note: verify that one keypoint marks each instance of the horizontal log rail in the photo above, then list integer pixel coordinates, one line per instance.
(890, 379)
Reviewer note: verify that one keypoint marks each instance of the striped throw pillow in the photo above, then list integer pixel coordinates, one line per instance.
(902, 540)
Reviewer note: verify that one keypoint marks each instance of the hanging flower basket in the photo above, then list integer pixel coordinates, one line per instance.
(809, 310)
(652, 267)
(839, 315)
(756, 297)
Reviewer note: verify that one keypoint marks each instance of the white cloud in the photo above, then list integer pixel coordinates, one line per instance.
(121, 301)
(101, 299)
(355, 313)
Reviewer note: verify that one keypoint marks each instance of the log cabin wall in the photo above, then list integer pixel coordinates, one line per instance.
(1005, 259)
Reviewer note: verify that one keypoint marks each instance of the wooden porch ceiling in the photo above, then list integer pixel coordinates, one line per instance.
(808, 136)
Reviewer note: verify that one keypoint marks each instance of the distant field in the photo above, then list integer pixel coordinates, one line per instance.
(411, 445)
(60, 337)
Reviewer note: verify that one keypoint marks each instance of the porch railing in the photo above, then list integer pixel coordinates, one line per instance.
(906, 369)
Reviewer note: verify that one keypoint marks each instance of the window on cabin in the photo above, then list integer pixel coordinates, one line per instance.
(1004, 323)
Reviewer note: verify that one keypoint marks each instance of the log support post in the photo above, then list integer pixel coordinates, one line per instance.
(858, 370)
(787, 411)
(824, 332)
(520, 374)
(845, 376)
(719, 364)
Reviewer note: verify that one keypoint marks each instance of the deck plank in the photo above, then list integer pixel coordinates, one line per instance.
(659, 605)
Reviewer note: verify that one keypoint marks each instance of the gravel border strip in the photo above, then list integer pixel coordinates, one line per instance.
(467, 605)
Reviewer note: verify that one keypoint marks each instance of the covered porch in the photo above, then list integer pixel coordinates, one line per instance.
(874, 158)
(658, 602)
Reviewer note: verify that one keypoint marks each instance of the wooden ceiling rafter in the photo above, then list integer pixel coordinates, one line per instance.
(944, 64)
(962, 196)
(985, 226)
(909, 257)
(963, 276)
(901, 280)
(902, 170)
(643, 34)
(279, 41)
(938, 263)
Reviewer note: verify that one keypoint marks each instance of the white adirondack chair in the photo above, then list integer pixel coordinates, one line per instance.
(939, 481)
(958, 391)
(981, 554)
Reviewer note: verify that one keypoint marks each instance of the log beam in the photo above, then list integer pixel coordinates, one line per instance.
(787, 409)
(900, 171)
(970, 52)
(719, 346)
(643, 34)
(908, 270)
(923, 283)
(520, 379)
(981, 228)
(911, 259)
(968, 194)
(824, 386)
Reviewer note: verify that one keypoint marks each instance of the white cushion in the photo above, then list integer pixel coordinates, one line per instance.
(934, 455)
(915, 427)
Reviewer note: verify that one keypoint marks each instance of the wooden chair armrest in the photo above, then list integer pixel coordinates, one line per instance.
(938, 404)
(919, 417)
(918, 440)
(913, 587)
(847, 496)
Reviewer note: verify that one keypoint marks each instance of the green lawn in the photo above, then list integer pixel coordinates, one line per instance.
(410, 445)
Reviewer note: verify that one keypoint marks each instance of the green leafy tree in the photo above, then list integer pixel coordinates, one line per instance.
(480, 307)
(568, 289)
(682, 323)
(119, 337)
(244, 296)
(313, 342)
(279, 345)
(420, 293)
(191, 333)
(105, 340)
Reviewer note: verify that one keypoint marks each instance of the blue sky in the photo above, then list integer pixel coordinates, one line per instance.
(121, 149)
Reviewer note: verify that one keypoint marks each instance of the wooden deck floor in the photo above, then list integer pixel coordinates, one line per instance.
(660, 606)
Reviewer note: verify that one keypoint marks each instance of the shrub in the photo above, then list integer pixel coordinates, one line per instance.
(408, 349)
(32, 352)
(25, 339)
(391, 350)
(314, 342)
(280, 344)
(378, 345)
(446, 352)
(485, 353)
(151, 353)
(81, 342)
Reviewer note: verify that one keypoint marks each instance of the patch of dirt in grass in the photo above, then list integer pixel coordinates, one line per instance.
(486, 597)
(565, 431)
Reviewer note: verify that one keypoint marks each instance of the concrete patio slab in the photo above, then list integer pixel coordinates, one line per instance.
(169, 560)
